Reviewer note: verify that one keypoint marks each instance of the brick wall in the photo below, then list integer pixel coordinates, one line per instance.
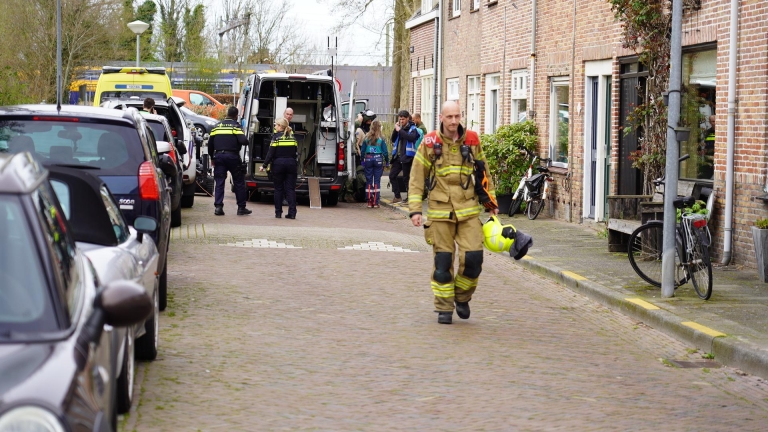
(423, 57)
(483, 42)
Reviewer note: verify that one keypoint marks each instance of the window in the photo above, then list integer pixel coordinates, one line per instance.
(62, 248)
(698, 112)
(115, 216)
(559, 116)
(427, 6)
(519, 94)
(475, 4)
(473, 103)
(453, 89)
(427, 100)
(456, 9)
(492, 112)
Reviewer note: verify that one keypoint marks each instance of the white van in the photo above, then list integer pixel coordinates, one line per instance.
(316, 106)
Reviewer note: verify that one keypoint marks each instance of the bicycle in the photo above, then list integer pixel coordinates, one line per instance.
(533, 188)
(692, 261)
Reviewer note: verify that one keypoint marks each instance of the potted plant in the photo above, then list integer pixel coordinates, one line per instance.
(506, 161)
(760, 239)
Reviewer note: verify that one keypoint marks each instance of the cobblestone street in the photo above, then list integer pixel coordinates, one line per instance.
(326, 323)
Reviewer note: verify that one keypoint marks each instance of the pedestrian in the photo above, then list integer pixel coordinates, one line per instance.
(375, 154)
(447, 158)
(149, 106)
(419, 124)
(404, 138)
(282, 159)
(352, 187)
(224, 143)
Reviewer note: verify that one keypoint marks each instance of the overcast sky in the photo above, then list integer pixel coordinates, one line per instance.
(357, 46)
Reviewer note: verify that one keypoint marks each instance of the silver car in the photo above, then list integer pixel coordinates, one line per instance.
(117, 252)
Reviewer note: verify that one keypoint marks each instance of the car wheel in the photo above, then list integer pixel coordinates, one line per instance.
(176, 217)
(162, 287)
(200, 130)
(125, 380)
(188, 201)
(146, 346)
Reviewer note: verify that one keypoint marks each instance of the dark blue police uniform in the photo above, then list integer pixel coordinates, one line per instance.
(225, 141)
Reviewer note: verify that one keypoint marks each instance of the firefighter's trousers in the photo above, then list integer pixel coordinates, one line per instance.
(445, 236)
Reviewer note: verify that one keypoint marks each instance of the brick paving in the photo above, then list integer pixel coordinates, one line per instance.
(320, 338)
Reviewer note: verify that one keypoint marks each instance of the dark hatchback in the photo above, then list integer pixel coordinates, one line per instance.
(57, 354)
(117, 145)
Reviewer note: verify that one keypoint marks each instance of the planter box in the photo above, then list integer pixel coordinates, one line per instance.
(760, 239)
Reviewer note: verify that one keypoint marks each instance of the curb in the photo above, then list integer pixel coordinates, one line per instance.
(728, 350)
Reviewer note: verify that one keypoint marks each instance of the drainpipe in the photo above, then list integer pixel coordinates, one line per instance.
(437, 67)
(502, 93)
(733, 51)
(531, 81)
(572, 95)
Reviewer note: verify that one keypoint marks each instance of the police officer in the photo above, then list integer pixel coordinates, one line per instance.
(282, 154)
(446, 158)
(224, 143)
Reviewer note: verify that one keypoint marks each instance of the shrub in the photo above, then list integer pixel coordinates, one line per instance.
(503, 151)
(762, 223)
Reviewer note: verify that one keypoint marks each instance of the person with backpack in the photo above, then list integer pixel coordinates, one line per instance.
(404, 138)
(374, 153)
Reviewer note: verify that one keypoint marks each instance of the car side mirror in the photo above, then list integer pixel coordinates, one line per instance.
(121, 303)
(144, 225)
(181, 147)
(163, 146)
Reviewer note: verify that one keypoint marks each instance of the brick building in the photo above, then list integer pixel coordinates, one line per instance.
(563, 65)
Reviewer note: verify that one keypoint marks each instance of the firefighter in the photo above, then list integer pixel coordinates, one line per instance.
(446, 159)
(224, 143)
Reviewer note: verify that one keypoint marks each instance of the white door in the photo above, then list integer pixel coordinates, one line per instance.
(492, 109)
(473, 103)
(597, 136)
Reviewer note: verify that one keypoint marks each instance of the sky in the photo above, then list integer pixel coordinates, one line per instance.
(357, 46)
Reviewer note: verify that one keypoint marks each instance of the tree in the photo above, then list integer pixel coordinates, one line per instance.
(87, 40)
(194, 40)
(171, 35)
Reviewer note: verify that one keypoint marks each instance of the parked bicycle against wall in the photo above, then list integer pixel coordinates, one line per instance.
(533, 188)
(692, 261)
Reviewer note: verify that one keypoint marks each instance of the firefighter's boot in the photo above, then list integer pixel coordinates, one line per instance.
(462, 309)
(445, 317)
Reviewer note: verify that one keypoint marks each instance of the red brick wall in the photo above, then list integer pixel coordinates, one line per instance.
(474, 44)
(423, 57)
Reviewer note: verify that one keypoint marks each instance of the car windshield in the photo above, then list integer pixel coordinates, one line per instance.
(25, 302)
(113, 149)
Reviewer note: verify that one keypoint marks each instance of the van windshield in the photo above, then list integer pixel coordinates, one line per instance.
(127, 94)
(114, 149)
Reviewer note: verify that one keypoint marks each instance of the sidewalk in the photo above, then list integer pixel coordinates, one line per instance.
(732, 324)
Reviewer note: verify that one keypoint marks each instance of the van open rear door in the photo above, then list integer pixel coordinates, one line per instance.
(351, 168)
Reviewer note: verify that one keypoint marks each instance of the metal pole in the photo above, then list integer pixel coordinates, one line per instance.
(673, 152)
(733, 46)
(137, 50)
(58, 54)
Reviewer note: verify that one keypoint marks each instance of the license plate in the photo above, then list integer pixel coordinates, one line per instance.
(133, 86)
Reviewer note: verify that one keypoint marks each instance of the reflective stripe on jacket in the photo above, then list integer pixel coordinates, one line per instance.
(227, 135)
(448, 199)
(281, 147)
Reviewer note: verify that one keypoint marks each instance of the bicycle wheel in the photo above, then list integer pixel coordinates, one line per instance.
(515, 206)
(644, 251)
(700, 270)
(534, 207)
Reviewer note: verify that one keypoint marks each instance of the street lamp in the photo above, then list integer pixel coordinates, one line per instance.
(138, 27)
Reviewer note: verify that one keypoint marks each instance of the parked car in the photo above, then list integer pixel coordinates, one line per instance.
(117, 82)
(203, 124)
(164, 140)
(58, 353)
(118, 143)
(181, 131)
(203, 100)
(117, 252)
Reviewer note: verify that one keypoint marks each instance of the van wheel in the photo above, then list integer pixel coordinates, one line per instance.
(176, 217)
(333, 199)
(188, 201)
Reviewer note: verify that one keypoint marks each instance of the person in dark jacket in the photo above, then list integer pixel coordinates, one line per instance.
(224, 143)
(282, 155)
(404, 138)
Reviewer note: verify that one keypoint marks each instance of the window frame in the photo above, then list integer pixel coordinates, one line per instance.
(452, 94)
(427, 6)
(518, 93)
(556, 82)
(489, 78)
(427, 97)
(455, 8)
(473, 95)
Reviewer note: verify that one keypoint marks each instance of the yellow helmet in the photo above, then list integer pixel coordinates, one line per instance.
(493, 239)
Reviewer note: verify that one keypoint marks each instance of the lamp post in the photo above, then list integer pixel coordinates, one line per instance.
(138, 27)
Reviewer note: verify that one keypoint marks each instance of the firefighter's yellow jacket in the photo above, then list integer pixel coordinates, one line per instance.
(449, 173)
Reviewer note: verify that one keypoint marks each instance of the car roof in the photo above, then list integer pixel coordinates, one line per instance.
(153, 117)
(284, 76)
(112, 103)
(88, 217)
(20, 173)
(66, 110)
